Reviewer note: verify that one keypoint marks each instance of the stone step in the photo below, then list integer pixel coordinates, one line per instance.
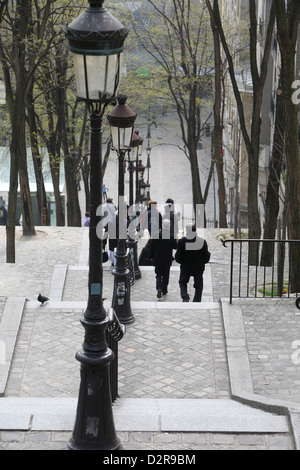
(138, 415)
(57, 304)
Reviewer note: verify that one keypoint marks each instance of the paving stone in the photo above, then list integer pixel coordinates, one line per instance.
(190, 363)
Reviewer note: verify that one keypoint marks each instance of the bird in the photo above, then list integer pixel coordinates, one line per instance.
(42, 299)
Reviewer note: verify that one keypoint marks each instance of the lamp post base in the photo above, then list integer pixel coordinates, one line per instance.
(75, 447)
(94, 427)
(133, 246)
(121, 296)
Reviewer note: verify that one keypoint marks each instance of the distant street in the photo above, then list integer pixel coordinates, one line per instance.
(170, 174)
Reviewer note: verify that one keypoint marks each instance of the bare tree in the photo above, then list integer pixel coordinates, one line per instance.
(21, 47)
(252, 138)
(13, 58)
(177, 35)
(217, 140)
(288, 18)
(274, 182)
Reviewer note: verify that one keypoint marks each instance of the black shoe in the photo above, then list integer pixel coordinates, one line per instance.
(165, 293)
(159, 295)
(185, 300)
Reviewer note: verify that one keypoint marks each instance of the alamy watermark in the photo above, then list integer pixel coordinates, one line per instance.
(296, 354)
(132, 221)
(296, 94)
(2, 353)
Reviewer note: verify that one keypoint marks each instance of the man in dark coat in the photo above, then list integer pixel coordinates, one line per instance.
(192, 255)
(144, 259)
(152, 220)
(161, 253)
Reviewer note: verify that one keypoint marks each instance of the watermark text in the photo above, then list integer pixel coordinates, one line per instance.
(133, 220)
(296, 94)
(296, 354)
(2, 353)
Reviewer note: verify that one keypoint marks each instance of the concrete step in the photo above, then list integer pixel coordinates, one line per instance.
(57, 304)
(137, 415)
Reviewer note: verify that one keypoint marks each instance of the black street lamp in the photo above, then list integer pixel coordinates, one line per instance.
(96, 40)
(148, 165)
(141, 184)
(132, 239)
(136, 143)
(143, 191)
(121, 120)
(139, 149)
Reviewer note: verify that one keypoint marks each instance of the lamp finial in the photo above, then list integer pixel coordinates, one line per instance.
(96, 3)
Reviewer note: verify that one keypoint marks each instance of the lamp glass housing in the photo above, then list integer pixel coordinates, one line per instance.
(96, 41)
(121, 121)
(121, 137)
(97, 75)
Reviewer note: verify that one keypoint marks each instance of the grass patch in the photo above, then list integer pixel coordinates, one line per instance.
(225, 236)
(269, 292)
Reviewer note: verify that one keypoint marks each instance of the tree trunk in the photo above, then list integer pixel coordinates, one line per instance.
(16, 103)
(37, 162)
(198, 201)
(15, 151)
(273, 188)
(217, 137)
(27, 215)
(60, 213)
(85, 171)
(254, 231)
(287, 24)
(73, 207)
(252, 139)
(191, 143)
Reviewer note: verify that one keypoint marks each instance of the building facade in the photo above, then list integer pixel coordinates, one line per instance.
(233, 141)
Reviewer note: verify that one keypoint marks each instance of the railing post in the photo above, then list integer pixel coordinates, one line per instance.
(231, 274)
(260, 272)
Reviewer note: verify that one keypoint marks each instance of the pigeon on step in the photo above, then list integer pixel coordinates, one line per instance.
(42, 299)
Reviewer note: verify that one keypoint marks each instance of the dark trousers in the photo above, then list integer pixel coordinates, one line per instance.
(162, 278)
(198, 285)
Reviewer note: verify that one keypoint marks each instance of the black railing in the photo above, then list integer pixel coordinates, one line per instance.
(114, 333)
(210, 223)
(264, 268)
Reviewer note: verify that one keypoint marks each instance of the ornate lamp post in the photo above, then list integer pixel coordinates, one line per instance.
(96, 41)
(141, 184)
(121, 120)
(148, 165)
(132, 241)
(139, 150)
(143, 191)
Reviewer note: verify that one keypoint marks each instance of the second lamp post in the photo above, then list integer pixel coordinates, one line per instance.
(121, 120)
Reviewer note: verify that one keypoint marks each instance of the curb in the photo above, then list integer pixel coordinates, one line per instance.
(240, 372)
(10, 324)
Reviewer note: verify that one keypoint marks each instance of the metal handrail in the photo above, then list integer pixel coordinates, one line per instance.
(276, 261)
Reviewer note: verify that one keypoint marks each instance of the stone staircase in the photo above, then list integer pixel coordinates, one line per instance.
(182, 367)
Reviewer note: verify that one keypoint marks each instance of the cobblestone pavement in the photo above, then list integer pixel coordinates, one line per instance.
(174, 353)
(271, 328)
(273, 338)
(190, 362)
(2, 305)
(183, 365)
(143, 290)
(149, 441)
(36, 258)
